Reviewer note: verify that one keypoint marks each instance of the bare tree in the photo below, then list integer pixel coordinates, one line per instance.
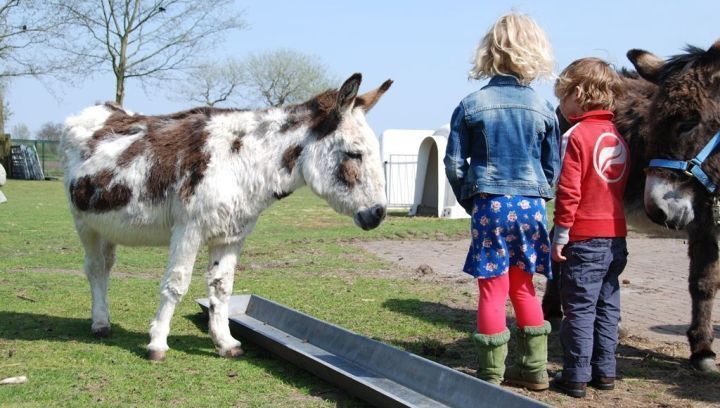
(212, 83)
(5, 112)
(28, 29)
(50, 131)
(284, 76)
(146, 39)
(20, 131)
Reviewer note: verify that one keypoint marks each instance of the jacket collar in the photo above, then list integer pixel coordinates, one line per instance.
(504, 80)
(593, 114)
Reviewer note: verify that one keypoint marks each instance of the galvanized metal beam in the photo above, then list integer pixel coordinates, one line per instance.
(371, 370)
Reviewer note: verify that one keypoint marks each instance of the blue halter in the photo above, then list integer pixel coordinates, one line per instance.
(692, 167)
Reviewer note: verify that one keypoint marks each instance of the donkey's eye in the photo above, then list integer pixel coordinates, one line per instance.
(687, 126)
(354, 155)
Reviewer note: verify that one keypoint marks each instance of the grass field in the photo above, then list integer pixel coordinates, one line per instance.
(302, 255)
(299, 255)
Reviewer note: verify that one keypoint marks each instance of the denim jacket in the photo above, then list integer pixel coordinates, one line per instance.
(510, 134)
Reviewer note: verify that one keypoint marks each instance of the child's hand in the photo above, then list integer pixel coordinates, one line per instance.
(556, 253)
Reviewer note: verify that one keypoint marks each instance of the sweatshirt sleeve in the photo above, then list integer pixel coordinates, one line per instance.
(568, 193)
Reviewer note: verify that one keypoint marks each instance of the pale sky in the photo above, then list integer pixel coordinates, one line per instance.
(424, 46)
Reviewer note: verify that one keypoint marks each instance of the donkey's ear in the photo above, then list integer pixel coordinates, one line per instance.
(715, 48)
(647, 64)
(348, 92)
(367, 100)
(714, 52)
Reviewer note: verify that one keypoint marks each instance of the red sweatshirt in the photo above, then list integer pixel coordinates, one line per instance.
(595, 167)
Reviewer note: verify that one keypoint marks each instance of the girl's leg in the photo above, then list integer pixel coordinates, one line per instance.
(528, 311)
(530, 361)
(491, 304)
(492, 334)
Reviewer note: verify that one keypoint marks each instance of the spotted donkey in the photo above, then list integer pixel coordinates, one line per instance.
(202, 177)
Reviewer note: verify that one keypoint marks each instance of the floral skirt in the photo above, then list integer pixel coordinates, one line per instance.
(508, 231)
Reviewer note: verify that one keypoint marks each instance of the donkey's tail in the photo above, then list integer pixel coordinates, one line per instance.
(79, 129)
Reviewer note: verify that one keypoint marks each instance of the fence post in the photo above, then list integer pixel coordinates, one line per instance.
(387, 181)
(43, 156)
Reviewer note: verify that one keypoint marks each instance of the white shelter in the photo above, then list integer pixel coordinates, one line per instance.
(415, 174)
(399, 150)
(433, 194)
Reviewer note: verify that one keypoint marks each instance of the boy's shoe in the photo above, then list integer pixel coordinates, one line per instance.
(603, 383)
(573, 389)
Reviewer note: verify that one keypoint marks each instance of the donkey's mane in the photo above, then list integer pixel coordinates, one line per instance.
(681, 61)
(626, 73)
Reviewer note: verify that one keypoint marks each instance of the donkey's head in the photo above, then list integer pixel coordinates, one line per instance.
(343, 164)
(683, 116)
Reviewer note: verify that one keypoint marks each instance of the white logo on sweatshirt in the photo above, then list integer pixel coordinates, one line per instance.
(610, 157)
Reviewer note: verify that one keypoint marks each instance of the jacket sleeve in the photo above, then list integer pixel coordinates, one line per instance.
(457, 152)
(568, 193)
(550, 155)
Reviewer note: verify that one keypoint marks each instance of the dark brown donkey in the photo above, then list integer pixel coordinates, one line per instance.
(669, 113)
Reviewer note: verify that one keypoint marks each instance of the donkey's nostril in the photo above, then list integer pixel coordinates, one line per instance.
(656, 214)
(379, 211)
(369, 218)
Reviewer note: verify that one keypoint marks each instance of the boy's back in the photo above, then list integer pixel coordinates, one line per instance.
(595, 163)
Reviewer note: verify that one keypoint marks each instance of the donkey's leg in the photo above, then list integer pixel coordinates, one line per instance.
(184, 245)
(220, 276)
(97, 270)
(551, 305)
(703, 283)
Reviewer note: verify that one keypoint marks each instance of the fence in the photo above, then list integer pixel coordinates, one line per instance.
(48, 153)
(400, 173)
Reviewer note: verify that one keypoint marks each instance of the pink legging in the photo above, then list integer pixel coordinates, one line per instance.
(493, 293)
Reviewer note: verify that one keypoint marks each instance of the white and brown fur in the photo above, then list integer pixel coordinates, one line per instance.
(202, 177)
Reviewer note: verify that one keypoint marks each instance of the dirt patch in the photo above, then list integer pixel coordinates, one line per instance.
(653, 368)
(429, 261)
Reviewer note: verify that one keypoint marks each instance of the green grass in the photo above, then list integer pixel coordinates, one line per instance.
(300, 255)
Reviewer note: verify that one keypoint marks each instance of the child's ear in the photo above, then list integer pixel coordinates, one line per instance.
(578, 92)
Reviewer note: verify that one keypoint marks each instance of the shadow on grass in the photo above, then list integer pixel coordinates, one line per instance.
(640, 364)
(435, 313)
(288, 372)
(34, 327)
(42, 327)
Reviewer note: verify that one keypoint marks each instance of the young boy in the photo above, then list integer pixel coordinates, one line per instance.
(590, 227)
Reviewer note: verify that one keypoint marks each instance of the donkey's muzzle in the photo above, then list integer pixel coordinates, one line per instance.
(370, 218)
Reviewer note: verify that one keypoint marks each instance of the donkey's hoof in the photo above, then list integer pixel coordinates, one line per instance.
(102, 332)
(706, 365)
(156, 355)
(622, 332)
(234, 352)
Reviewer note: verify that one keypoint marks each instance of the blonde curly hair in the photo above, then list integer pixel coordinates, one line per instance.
(515, 45)
(593, 81)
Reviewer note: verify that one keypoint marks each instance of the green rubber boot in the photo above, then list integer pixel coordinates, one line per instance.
(491, 353)
(529, 369)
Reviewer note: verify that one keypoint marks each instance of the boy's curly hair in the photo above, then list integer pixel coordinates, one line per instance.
(595, 83)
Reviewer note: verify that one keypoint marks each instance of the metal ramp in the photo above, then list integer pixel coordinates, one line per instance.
(382, 375)
(24, 163)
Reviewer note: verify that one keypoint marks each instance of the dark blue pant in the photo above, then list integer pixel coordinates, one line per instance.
(590, 296)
